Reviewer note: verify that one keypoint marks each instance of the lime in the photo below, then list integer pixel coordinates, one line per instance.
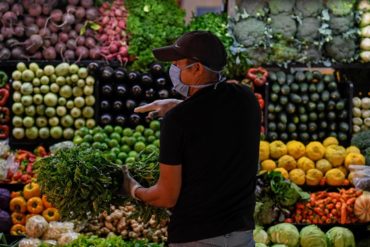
(88, 138)
(122, 156)
(137, 134)
(141, 139)
(97, 129)
(139, 146)
(96, 145)
(157, 134)
(116, 150)
(108, 129)
(132, 154)
(125, 148)
(155, 125)
(151, 139)
(98, 137)
(140, 128)
(156, 142)
(150, 148)
(115, 136)
(83, 131)
(104, 146)
(131, 141)
(148, 132)
(118, 129)
(130, 160)
(127, 132)
(113, 143)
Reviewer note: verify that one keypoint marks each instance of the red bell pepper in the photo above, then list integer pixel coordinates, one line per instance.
(4, 131)
(260, 100)
(4, 96)
(4, 115)
(258, 76)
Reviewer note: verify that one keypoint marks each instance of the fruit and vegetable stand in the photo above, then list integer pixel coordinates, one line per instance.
(73, 71)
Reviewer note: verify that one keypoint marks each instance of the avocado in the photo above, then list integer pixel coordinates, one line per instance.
(309, 76)
(325, 96)
(322, 135)
(292, 127)
(315, 97)
(317, 76)
(295, 98)
(271, 116)
(321, 115)
(312, 127)
(281, 77)
(283, 118)
(320, 106)
(342, 137)
(294, 136)
(323, 125)
(300, 76)
(332, 86)
(305, 99)
(320, 87)
(343, 115)
(303, 118)
(331, 115)
(290, 108)
(333, 126)
(340, 105)
(274, 97)
(278, 108)
(272, 136)
(289, 78)
(312, 88)
(333, 134)
(275, 88)
(311, 106)
(285, 90)
(314, 137)
(330, 105)
(271, 108)
(283, 100)
(328, 78)
(304, 136)
(272, 76)
(294, 87)
(284, 137)
(313, 116)
(281, 127)
(303, 87)
(335, 95)
(344, 127)
(271, 126)
(302, 127)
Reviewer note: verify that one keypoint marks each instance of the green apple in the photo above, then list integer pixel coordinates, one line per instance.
(67, 121)
(90, 81)
(17, 108)
(65, 91)
(26, 100)
(50, 112)
(32, 133)
(50, 99)
(17, 85)
(36, 90)
(88, 90)
(38, 99)
(68, 80)
(88, 112)
(81, 83)
(44, 89)
(39, 73)
(49, 70)
(70, 104)
(28, 122)
(36, 82)
(90, 123)
(27, 88)
(53, 78)
(61, 80)
(41, 122)
(34, 67)
(17, 75)
(68, 133)
(44, 133)
(53, 121)
(21, 66)
(17, 121)
(73, 69)
(44, 80)
(56, 132)
(28, 75)
(75, 112)
(74, 78)
(82, 73)
(30, 110)
(17, 97)
(79, 123)
(77, 91)
(40, 110)
(62, 101)
(90, 100)
(79, 102)
(61, 111)
(54, 88)
(18, 133)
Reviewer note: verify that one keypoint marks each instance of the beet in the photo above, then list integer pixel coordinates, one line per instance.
(35, 10)
(7, 32)
(68, 19)
(71, 9)
(11, 42)
(28, 20)
(66, 28)
(53, 28)
(78, 27)
(53, 38)
(37, 55)
(18, 53)
(69, 55)
(56, 15)
(9, 19)
(80, 40)
(73, 34)
(87, 3)
(27, 3)
(60, 47)
(41, 21)
(36, 42)
(1, 37)
(18, 9)
(80, 13)
(5, 54)
(41, 2)
(73, 2)
(82, 52)
(19, 31)
(90, 42)
(71, 44)
(32, 29)
(92, 14)
(94, 53)
(47, 44)
(4, 6)
(63, 37)
(49, 53)
(46, 9)
(89, 33)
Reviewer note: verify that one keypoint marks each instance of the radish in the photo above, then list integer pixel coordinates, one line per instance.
(35, 10)
(94, 53)
(90, 42)
(49, 53)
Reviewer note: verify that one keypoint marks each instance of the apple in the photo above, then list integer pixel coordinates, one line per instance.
(17, 75)
(34, 67)
(18, 133)
(53, 121)
(26, 100)
(70, 104)
(68, 133)
(53, 78)
(49, 70)
(88, 90)
(74, 78)
(41, 122)
(61, 80)
(40, 110)
(44, 80)
(36, 82)
(16, 85)
(39, 73)
(90, 100)
(28, 122)
(90, 81)
(81, 83)
(44, 89)
(67, 121)
(73, 69)
(65, 91)
(56, 132)
(30, 110)
(79, 102)
(17, 97)
(17, 108)
(36, 90)
(61, 111)
(44, 133)
(50, 112)
(79, 123)
(50, 99)
(76, 91)
(90, 123)
(21, 66)
(17, 121)
(75, 112)
(38, 99)
(54, 88)
(28, 75)
(62, 101)
(32, 133)
(88, 112)
(68, 80)
(27, 88)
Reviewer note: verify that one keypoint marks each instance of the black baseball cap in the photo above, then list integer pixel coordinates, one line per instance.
(202, 46)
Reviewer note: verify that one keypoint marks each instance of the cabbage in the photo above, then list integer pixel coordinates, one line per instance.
(284, 233)
(340, 237)
(260, 236)
(312, 236)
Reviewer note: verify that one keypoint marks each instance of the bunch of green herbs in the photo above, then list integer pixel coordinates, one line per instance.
(110, 241)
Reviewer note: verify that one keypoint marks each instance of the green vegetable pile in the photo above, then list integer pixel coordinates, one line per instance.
(79, 181)
(362, 141)
(152, 24)
(115, 241)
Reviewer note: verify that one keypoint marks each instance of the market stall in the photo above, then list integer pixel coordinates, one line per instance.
(72, 73)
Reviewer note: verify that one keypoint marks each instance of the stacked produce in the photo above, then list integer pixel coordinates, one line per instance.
(30, 202)
(121, 92)
(362, 141)
(315, 164)
(4, 110)
(4, 164)
(5, 220)
(306, 106)
(361, 114)
(51, 102)
(364, 8)
(48, 30)
(110, 241)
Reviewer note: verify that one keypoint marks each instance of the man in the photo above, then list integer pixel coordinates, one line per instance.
(209, 149)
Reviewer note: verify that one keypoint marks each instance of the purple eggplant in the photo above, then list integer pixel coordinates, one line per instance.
(149, 93)
(120, 120)
(105, 105)
(161, 82)
(121, 90)
(93, 68)
(156, 69)
(163, 94)
(146, 80)
(106, 119)
(117, 105)
(136, 90)
(135, 119)
(120, 74)
(107, 90)
(107, 72)
(133, 77)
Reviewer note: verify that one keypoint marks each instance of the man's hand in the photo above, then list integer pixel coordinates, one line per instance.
(129, 183)
(158, 108)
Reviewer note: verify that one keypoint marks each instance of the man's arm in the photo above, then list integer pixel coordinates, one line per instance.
(166, 191)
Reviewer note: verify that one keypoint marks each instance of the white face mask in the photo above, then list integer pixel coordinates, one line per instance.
(179, 86)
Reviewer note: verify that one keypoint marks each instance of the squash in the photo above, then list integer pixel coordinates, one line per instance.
(268, 165)
(34, 205)
(330, 141)
(352, 149)
(335, 155)
(362, 207)
(18, 204)
(287, 162)
(296, 149)
(283, 172)
(350, 177)
(4, 198)
(31, 190)
(305, 164)
(343, 169)
(297, 176)
(313, 177)
(354, 159)
(277, 149)
(335, 177)
(315, 151)
(264, 150)
(5, 221)
(323, 165)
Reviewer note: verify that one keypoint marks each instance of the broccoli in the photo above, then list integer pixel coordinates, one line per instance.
(310, 53)
(250, 31)
(283, 25)
(281, 6)
(257, 55)
(341, 24)
(362, 141)
(309, 8)
(254, 7)
(340, 7)
(309, 29)
(367, 156)
(283, 51)
(341, 49)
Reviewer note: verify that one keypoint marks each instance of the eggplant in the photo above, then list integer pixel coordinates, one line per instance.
(121, 90)
(107, 90)
(106, 119)
(93, 68)
(130, 104)
(149, 93)
(107, 72)
(120, 120)
(105, 105)
(133, 76)
(161, 82)
(120, 74)
(146, 80)
(136, 90)
(163, 94)
(157, 69)
(135, 119)
(117, 105)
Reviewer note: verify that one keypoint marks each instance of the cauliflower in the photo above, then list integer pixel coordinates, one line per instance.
(281, 6)
(283, 25)
(340, 7)
(283, 51)
(341, 49)
(249, 32)
(341, 24)
(306, 8)
(309, 29)
(254, 7)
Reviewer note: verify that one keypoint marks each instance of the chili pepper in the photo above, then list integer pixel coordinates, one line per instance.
(4, 96)
(258, 75)
(4, 115)
(3, 78)
(4, 131)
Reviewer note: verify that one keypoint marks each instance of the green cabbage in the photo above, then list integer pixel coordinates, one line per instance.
(340, 237)
(312, 236)
(260, 235)
(284, 233)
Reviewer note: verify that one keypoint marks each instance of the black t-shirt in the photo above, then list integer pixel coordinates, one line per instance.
(214, 135)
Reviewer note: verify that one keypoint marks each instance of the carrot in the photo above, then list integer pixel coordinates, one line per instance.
(330, 206)
(343, 214)
(338, 205)
(319, 211)
(351, 201)
(334, 195)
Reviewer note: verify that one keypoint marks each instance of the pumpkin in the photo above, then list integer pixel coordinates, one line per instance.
(264, 150)
(335, 177)
(31, 190)
(354, 159)
(353, 149)
(45, 202)
(287, 162)
(335, 155)
(323, 165)
(34, 205)
(362, 207)
(15, 194)
(315, 151)
(18, 204)
(313, 177)
(4, 198)
(51, 214)
(330, 141)
(18, 218)
(297, 176)
(268, 165)
(277, 149)
(296, 149)
(305, 164)
(283, 172)
(5, 221)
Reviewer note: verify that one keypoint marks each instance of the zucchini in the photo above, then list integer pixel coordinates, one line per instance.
(342, 137)
(313, 116)
(292, 127)
(274, 97)
(305, 137)
(322, 115)
(332, 86)
(290, 108)
(278, 108)
(317, 76)
(312, 88)
(284, 137)
(295, 98)
(296, 119)
(285, 90)
(302, 127)
(271, 116)
(325, 96)
(275, 88)
(289, 78)
(271, 108)
(300, 76)
(272, 76)
(309, 76)
(320, 87)
(271, 126)
(331, 115)
(305, 99)
(322, 135)
(340, 105)
(281, 77)
(314, 137)
(315, 97)
(294, 87)
(301, 109)
(283, 118)
(303, 118)
(333, 134)
(283, 100)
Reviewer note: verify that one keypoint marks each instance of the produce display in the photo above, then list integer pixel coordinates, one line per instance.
(364, 8)
(307, 106)
(109, 241)
(4, 110)
(362, 141)
(361, 114)
(51, 102)
(5, 220)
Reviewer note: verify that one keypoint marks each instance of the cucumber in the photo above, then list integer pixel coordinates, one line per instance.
(301, 109)
(343, 115)
(289, 78)
(331, 115)
(271, 108)
(305, 99)
(278, 108)
(281, 127)
(294, 87)
(320, 87)
(304, 87)
(295, 98)
(340, 105)
(325, 96)
(296, 119)
(321, 115)
(281, 77)
(332, 86)
(302, 127)
(275, 88)
(322, 135)
(271, 116)
(304, 136)
(315, 97)
(303, 118)
(272, 76)
(333, 134)
(283, 118)
(292, 127)
(344, 127)
(285, 90)
(283, 100)
(309, 76)
(317, 76)
(274, 97)
(342, 137)
(314, 137)
(300, 76)
(312, 116)
(271, 126)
